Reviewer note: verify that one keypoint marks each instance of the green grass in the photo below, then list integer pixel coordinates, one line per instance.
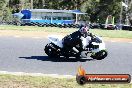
(11, 81)
(103, 33)
(113, 33)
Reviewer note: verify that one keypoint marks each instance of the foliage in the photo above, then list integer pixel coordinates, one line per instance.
(4, 10)
(2, 2)
(6, 15)
(97, 10)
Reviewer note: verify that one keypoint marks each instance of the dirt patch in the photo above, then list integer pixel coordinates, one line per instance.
(43, 34)
(27, 33)
(118, 39)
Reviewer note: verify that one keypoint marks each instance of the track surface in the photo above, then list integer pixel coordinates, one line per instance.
(19, 54)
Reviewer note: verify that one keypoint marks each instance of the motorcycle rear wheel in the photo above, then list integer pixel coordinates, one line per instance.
(51, 51)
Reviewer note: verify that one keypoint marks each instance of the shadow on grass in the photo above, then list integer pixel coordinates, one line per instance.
(61, 59)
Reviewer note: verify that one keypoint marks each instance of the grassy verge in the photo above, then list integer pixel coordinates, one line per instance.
(103, 33)
(113, 33)
(11, 81)
(36, 28)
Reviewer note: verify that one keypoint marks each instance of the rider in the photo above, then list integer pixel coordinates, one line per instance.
(75, 38)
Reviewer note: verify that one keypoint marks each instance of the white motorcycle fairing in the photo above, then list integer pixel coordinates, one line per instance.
(57, 40)
(101, 45)
(85, 42)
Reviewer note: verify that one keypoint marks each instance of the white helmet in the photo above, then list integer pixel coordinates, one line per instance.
(83, 28)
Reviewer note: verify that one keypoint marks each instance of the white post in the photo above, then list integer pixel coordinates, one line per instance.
(76, 19)
(121, 16)
(106, 22)
(31, 4)
(51, 17)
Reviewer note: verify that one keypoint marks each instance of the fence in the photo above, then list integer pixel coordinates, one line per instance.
(12, 20)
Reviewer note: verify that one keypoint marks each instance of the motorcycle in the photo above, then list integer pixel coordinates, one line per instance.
(96, 48)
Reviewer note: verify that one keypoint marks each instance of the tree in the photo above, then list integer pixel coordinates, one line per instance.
(98, 10)
(38, 4)
(3, 9)
(13, 3)
(130, 12)
(2, 4)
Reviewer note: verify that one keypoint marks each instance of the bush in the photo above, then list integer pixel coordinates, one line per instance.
(6, 15)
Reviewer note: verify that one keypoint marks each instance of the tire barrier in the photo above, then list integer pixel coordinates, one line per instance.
(99, 26)
(51, 25)
(129, 28)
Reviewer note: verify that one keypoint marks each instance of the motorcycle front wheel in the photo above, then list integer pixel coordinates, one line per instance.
(100, 55)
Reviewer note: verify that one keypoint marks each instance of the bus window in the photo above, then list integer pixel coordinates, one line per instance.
(64, 18)
(55, 18)
(48, 18)
(43, 17)
(69, 18)
(59, 18)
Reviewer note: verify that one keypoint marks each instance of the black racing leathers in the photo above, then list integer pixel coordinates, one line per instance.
(72, 40)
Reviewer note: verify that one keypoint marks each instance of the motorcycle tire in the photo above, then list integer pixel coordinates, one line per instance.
(100, 55)
(51, 51)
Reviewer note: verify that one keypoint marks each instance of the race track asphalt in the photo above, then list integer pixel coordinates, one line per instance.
(19, 54)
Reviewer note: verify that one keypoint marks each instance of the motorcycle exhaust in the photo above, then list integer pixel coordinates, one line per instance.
(75, 50)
